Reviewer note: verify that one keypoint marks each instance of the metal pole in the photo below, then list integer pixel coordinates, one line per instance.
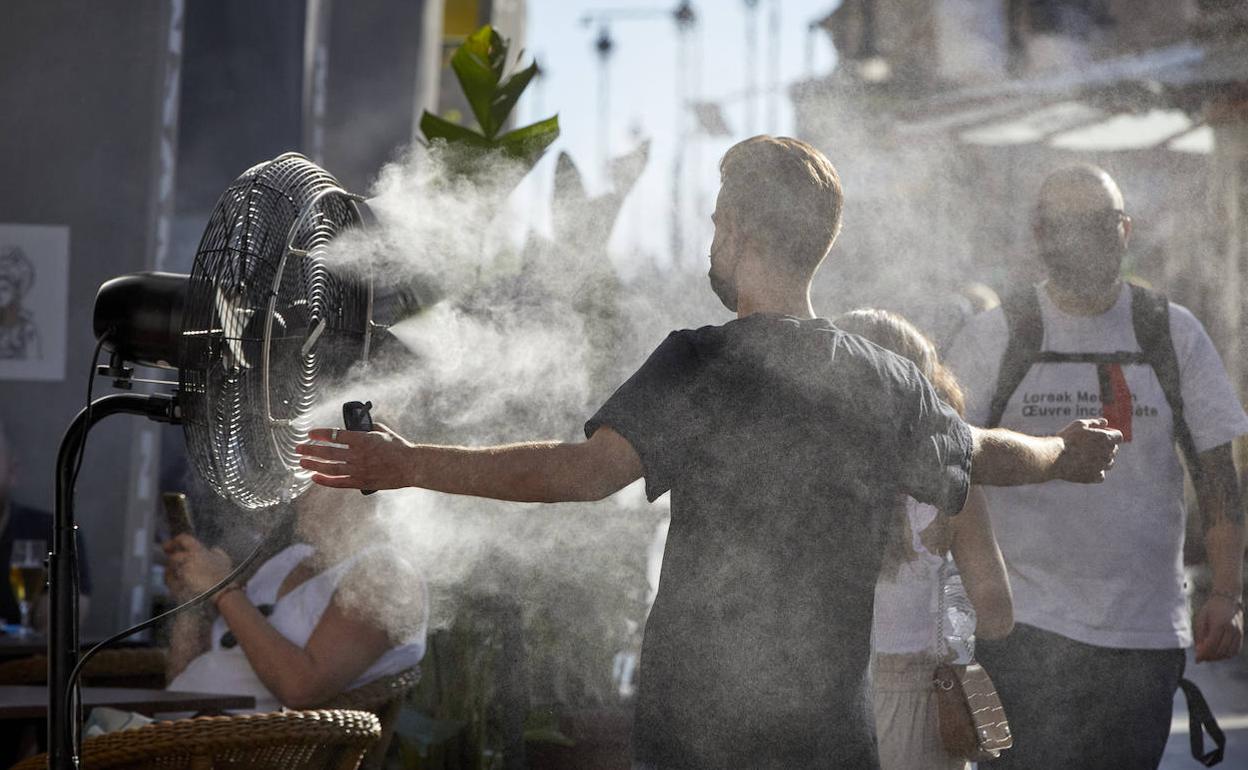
(604, 46)
(686, 21)
(751, 66)
(773, 66)
(63, 568)
(678, 156)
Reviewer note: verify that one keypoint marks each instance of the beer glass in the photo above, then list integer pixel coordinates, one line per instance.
(26, 577)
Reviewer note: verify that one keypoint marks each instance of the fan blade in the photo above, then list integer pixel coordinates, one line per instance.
(313, 336)
(233, 323)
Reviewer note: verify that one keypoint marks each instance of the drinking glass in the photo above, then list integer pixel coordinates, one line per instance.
(26, 577)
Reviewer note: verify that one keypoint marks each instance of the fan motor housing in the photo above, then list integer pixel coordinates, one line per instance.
(139, 317)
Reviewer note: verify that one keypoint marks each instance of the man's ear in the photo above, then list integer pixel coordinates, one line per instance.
(1126, 230)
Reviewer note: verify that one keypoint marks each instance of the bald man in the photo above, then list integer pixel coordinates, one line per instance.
(1088, 676)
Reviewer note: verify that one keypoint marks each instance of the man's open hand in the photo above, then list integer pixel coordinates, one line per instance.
(1088, 452)
(379, 459)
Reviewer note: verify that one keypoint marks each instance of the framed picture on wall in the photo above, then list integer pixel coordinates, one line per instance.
(34, 292)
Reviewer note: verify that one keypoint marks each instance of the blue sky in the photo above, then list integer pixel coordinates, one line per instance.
(642, 89)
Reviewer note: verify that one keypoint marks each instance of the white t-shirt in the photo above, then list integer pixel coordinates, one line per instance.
(1100, 563)
(295, 616)
(906, 604)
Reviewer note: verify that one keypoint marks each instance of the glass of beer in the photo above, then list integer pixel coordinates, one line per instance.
(26, 577)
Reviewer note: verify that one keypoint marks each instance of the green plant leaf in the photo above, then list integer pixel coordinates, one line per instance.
(434, 127)
(478, 65)
(498, 53)
(508, 93)
(530, 141)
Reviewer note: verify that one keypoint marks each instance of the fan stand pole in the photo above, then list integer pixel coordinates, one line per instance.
(63, 565)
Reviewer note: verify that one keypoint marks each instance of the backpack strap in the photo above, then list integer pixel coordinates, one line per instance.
(1200, 720)
(1150, 315)
(1026, 334)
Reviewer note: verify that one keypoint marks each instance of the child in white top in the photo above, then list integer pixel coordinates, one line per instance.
(905, 626)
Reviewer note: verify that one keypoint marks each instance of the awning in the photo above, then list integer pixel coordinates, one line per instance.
(1126, 103)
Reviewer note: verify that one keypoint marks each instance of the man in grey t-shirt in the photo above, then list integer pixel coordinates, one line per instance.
(784, 443)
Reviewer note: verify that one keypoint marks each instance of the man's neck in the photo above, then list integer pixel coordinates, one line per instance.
(1081, 304)
(791, 301)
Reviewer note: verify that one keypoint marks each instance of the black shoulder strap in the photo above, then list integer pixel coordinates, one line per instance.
(1150, 315)
(1026, 330)
(1200, 720)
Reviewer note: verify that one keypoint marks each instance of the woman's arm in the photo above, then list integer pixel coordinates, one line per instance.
(342, 646)
(982, 567)
(190, 632)
(188, 638)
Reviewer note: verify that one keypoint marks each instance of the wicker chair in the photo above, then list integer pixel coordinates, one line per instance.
(126, 667)
(291, 740)
(383, 697)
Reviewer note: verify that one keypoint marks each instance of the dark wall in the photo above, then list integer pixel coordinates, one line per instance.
(372, 86)
(242, 80)
(80, 91)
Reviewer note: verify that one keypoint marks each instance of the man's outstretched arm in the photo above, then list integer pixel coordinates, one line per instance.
(1083, 452)
(538, 472)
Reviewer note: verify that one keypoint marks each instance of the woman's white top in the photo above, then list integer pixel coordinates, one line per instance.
(295, 616)
(907, 604)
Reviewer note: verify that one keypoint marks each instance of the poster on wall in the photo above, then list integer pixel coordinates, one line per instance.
(34, 293)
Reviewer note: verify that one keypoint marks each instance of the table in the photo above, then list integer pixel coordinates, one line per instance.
(20, 702)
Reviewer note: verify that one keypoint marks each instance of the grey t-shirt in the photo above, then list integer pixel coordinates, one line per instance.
(786, 445)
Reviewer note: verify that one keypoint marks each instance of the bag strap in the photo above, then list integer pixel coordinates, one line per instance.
(1200, 719)
(1150, 315)
(1118, 357)
(1026, 334)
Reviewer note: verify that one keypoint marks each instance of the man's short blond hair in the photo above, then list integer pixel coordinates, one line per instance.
(786, 196)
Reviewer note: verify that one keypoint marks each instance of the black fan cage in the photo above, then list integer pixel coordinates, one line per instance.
(267, 328)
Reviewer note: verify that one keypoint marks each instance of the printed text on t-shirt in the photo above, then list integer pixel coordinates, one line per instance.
(1075, 405)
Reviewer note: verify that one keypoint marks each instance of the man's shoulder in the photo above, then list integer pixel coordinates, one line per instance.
(699, 335)
(685, 344)
(865, 352)
(1183, 322)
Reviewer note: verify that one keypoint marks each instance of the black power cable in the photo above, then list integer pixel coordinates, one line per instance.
(242, 567)
(72, 545)
(75, 725)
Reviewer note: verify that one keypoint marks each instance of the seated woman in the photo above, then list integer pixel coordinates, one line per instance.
(906, 623)
(325, 614)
